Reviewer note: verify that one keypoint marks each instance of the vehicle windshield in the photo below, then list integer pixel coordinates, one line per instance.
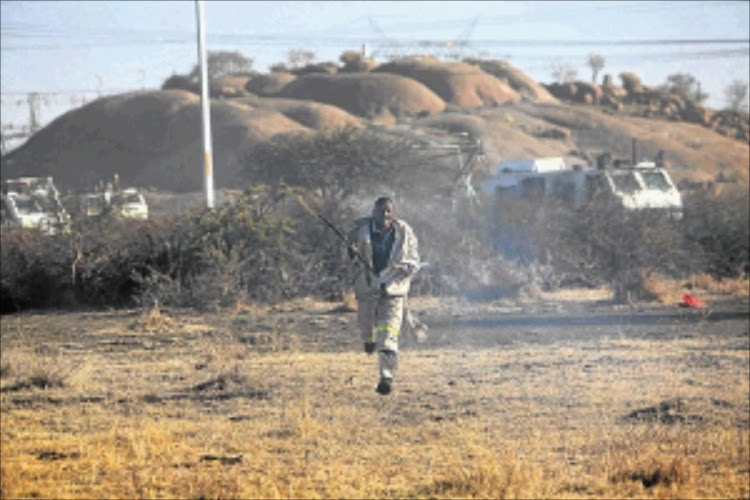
(132, 198)
(655, 180)
(121, 199)
(625, 182)
(26, 205)
(16, 187)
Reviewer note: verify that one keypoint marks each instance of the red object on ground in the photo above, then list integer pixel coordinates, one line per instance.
(690, 301)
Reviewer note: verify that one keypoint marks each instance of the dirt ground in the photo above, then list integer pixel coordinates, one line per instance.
(547, 398)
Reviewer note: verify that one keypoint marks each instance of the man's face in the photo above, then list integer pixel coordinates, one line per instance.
(383, 214)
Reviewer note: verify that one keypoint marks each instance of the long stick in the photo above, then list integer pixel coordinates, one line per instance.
(335, 230)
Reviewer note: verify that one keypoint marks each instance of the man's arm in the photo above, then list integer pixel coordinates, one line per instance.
(352, 248)
(409, 264)
(411, 251)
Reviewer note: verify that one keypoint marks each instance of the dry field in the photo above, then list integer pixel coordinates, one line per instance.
(555, 398)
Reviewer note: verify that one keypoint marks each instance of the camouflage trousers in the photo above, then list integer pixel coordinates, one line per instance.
(380, 317)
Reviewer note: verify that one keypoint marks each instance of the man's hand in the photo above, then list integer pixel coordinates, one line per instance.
(375, 287)
(369, 347)
(353, 250)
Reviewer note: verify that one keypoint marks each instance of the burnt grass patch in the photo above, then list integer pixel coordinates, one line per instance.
(673, 411)
(654, 474)
(36, 381)
(220, 388)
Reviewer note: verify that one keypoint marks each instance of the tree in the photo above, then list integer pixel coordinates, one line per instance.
(334, 164)
(223, 63)
(563, 72)
(350, 57)
(596, 62)
(278, 68)
(736, 95)
(300, 57)
(179, 82)
(686, 86)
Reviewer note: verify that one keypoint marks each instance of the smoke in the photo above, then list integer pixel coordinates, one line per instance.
(457, 245)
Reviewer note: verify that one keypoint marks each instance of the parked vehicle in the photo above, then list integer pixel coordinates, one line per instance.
(93, 204)
(22, 210)
(34, 202)
(129, 204)
(125, 204)
(643, 186)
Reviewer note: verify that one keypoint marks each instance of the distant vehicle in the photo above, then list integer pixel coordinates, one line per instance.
(129, 204)
(34, 202)
(125, 204)
(93, 204)
(23, 210)
(643, 186)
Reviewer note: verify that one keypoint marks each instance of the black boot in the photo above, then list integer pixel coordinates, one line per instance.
(384, 387)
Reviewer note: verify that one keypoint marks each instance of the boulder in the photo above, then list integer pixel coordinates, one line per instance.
(527, 87)
(611, 102)
(315, 115)
(367, 94)
(563, 91)
(359, 66)
(587, 93)
(460, 84)
(269, 85)
(322, 67)
(695, 113)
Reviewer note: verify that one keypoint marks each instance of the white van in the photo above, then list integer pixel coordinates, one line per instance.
(639, 187)
(129, 204)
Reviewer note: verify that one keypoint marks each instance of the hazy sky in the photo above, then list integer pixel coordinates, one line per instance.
(69, 50)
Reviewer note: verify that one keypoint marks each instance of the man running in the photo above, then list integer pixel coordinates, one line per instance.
(381, 288)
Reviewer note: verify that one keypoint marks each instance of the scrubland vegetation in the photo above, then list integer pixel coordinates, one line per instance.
(279, 403)
(265, 247)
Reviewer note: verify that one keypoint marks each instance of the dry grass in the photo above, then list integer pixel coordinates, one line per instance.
(197, 411)
(578, 294)
(705, 286)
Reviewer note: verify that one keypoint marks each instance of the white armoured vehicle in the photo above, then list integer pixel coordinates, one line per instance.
(643, 186)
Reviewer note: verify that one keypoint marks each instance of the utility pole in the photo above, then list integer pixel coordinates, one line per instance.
(34, 125)
(205, 106)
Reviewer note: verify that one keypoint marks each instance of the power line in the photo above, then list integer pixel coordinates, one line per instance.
(68, 92)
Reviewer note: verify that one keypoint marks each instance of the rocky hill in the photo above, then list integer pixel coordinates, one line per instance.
(152, 139)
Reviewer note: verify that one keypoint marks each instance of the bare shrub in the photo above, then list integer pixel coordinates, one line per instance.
(108, 256)
(238, 248)
(34, 269)
(596, 63)
(624, 248)
(333, 164)
(735, 95)
(718, 228)
(599, 243)
(686, 86)
(563, 72)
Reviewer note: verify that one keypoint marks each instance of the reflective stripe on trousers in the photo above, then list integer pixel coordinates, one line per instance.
(380, 321)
